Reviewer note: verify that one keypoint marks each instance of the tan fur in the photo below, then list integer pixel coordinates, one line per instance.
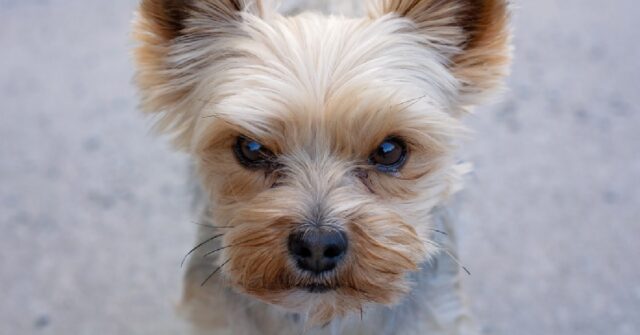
(321, 92)
(474, 34)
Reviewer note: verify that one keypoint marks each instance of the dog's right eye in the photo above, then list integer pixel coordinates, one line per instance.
(252, 153)
(390, 155)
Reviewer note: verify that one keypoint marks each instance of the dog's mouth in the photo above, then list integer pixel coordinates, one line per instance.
(318, 288)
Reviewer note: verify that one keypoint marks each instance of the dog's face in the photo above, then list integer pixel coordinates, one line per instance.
(323, 142)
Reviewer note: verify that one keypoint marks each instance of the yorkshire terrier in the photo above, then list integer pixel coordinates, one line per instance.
(324, 148)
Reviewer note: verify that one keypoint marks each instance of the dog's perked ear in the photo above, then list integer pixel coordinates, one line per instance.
(473, 35)
(177, 39)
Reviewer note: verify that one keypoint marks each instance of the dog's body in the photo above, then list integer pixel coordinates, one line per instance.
(325, 153)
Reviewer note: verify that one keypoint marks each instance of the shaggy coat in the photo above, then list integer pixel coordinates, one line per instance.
(321, 92)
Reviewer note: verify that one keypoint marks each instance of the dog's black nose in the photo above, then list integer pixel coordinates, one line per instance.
(318, 250)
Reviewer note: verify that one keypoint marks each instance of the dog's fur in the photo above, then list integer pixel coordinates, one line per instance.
(322, 92)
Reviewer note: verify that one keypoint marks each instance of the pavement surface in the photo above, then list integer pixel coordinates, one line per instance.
(94, 211)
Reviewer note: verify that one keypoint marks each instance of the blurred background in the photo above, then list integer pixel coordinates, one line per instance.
(94, 211)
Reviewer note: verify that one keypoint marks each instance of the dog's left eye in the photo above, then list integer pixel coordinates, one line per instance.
(390, 155)
(252, 153)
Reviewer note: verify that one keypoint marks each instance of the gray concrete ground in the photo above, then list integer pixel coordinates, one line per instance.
(94, 211)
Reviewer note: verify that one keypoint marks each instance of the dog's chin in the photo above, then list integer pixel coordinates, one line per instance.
(321, 301)
(317, 288)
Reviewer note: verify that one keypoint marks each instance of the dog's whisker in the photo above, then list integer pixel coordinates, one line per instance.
(198, 246)
(239, 244)
(439, 231)
(457, 262)
(211, 226)
(218, 249)
(210, 116)
(446, 251)
(218, 117)
(407, 104)
(412, 101)
(225, 247)
(214, 272)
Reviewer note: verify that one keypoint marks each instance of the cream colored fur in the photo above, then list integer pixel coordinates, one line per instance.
(321, 92)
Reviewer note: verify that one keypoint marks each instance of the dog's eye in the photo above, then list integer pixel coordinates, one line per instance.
(252, 153)
(390, 155)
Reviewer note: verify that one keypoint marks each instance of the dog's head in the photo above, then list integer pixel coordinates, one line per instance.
(324, 142)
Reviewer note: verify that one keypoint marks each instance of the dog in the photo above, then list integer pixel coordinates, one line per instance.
(324, 153)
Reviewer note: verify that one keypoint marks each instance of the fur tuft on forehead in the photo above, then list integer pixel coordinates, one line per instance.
(301, 76)
(195, 55)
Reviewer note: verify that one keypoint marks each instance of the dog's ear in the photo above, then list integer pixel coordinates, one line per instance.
(177, 39)
(473, 35)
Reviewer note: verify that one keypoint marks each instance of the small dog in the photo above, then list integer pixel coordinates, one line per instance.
(324, 147)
